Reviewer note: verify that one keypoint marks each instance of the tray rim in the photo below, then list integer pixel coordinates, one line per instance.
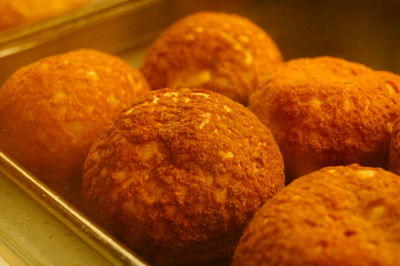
(112, 250)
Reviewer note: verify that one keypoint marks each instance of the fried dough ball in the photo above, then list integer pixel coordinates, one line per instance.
(326, 111)
(344, 215)
(51, 111)
(221, 52)
(178, 176)
(17, 12)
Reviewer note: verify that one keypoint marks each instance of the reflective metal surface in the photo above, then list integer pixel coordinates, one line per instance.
(112, 251)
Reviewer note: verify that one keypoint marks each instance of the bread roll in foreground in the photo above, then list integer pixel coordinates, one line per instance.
(326, 111)
(52, 110)
(221, 52)
(179, 174)
(336, 216)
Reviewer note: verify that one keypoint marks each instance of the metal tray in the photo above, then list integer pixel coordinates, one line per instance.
(367, 32)
(97, 248)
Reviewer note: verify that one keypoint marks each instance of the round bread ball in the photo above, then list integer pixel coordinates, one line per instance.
(179, 174)
(221, 52)
(326, 111)
(52, 110)
(343, 215)
(17, 12)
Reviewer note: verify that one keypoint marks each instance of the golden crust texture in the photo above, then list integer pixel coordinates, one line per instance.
(394, 149)
(51, 111)
(17, 12)
(327, 111)
(344, 215)
(178, 176)
(215, 51)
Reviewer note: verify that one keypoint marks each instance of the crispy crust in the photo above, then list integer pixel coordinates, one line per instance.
(327, 111)
(394, 150)
(51, 110)
(179, 174)
(215, 51)
(335, 216)
(17, 12)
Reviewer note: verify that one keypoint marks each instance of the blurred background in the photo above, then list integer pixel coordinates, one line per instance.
(365, 31)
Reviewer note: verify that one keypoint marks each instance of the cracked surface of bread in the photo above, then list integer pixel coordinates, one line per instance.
(221, 52)
(327, 111)
(335, 216)
(394, 149)
(180, 173)
(51, 111)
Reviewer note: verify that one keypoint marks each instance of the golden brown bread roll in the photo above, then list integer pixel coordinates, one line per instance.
(327, 111)
(17, 12)
(51, 111)
(179, 174)
(335, 216)
(221, 52)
